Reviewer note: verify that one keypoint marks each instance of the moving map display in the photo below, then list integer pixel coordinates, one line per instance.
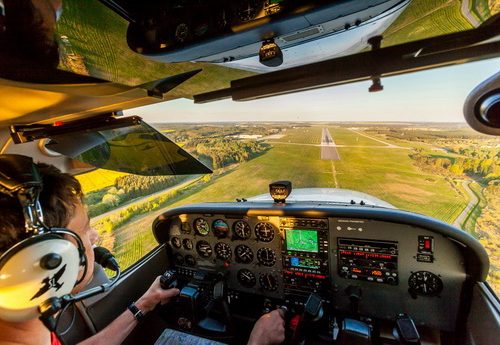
(302, 240)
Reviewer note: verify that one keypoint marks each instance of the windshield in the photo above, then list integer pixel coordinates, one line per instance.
(407, 146)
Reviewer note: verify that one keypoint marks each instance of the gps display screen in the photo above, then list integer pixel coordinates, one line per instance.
(302, 240)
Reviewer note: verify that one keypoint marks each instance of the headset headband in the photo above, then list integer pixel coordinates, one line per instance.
(19, 177)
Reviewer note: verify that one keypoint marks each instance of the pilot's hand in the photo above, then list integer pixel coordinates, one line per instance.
(269, 329)
(155, 295)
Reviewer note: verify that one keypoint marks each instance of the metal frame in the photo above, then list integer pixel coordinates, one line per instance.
(456, 48)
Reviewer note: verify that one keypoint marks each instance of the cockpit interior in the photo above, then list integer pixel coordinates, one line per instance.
(343, 267)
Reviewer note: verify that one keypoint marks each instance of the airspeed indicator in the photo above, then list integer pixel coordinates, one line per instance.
(242, 229)
(201, 226)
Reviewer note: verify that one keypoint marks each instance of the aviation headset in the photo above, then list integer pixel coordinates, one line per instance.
(46, 263)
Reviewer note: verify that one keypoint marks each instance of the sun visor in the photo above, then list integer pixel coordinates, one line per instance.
(137, 149)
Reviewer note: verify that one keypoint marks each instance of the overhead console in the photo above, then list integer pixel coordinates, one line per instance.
(368, 265)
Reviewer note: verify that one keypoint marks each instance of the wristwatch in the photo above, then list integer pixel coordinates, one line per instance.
(138, 314)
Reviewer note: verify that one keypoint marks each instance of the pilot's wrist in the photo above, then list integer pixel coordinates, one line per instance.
(143, 305)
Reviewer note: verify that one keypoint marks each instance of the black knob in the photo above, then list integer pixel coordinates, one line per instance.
(354, 293)
(168, 280)
(50, 261)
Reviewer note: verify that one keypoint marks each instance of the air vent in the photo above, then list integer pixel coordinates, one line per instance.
(302, 34)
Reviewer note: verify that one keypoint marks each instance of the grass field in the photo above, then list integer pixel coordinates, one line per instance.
(110, 58)
(304, 135)
(387, 173)
(469, 223)
(426, 18)
(344, 136)
(480, 9)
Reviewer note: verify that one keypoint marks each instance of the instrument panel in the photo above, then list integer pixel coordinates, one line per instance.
(393, 267)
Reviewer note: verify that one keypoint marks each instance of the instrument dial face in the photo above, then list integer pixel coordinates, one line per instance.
(268, 282)
(242, 229)
(178, 259)
(203, 248)
(246, 278)
(190, 260)
(266, 257)
(176, 242)
(264, 231)
(425, 283)
(187, 244)
(220, 228)
(223, 251)
(244, 254)
(247, 10)
(201, 226)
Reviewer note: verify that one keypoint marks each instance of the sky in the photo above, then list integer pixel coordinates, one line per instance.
(435, 95)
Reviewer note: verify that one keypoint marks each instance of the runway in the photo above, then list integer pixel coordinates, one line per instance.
(328, 147)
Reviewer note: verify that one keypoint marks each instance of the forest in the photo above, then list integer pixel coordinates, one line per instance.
(216, 153)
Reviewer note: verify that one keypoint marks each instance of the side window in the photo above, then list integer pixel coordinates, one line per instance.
(118, 204)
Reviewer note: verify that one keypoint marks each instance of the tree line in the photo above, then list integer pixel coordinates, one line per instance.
(222, 152)
(126, 188)
(486, 167)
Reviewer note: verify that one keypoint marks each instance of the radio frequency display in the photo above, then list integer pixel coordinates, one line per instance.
(302, 240)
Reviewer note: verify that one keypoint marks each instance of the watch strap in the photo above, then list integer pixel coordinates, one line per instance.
(138, 314)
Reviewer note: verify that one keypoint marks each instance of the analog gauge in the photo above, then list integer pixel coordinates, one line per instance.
(266, 256)
(178, 259)
(187, 244)
(203, 248)
(425, 283)
(268, 282)
(201, 226)
(264, 232)
(242, 229)
(247, 10)
(222, 251)
(220, 228)
(190, 260)
(176, 242)
(246, 278)
(244, 254)
(182, 32)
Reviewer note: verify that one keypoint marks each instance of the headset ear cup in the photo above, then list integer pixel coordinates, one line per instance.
(37, 269)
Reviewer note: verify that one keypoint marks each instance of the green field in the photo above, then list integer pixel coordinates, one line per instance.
(469, 223)
(386, 173)
(98, 36)
(304, 135)
(344, 136)
(420, 20)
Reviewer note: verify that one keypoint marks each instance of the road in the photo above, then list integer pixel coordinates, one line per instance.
(124, 206)
(466, 13)
(473, 201)
(328, 147)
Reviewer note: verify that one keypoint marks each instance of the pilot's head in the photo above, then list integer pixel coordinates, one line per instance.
(61, 201)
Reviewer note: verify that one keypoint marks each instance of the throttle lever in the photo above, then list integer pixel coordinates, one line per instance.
(168, 280)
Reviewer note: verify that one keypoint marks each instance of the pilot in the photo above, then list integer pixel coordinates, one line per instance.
(61, 200)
